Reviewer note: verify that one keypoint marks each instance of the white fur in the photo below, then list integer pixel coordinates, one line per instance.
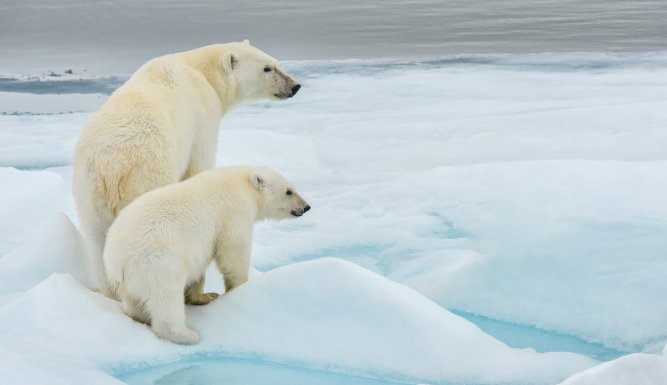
(160, 245)
(161, 127)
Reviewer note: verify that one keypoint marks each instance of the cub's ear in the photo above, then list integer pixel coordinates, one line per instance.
(246, 42)
(229, 62)
(257, 181)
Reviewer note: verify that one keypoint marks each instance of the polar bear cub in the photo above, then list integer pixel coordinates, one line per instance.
(159, 247)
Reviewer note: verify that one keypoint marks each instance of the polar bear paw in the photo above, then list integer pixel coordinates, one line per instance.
(200, 299)
(184, 336)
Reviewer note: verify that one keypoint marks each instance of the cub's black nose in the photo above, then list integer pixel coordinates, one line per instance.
(306, 208)
(295, 89)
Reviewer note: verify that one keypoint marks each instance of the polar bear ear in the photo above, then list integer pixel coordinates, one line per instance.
(257, 181)
(229, 62)
(246, 42)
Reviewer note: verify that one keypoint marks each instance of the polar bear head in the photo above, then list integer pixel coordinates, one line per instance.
(278, 197)
(256, 74)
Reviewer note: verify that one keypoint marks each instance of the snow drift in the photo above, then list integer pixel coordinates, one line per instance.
(633, 369)
(327, 314)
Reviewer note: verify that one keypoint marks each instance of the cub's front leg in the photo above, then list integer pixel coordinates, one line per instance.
(233, 261)
(194, 294)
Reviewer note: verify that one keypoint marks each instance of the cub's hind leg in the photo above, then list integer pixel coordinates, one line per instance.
(135, 310)
(168, 318)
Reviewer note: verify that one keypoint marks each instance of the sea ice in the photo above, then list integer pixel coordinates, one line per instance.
(524, 188)
(326, 314)
(633, 369)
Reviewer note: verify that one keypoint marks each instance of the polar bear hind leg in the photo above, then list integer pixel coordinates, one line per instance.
(168, 318)
(94, 220)
(154, 290)
(135, 310)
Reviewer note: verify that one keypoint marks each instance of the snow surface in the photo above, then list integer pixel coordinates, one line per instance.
(28, 199)
(633, 369)
(327, 314)
(525, 189)
(241, 371)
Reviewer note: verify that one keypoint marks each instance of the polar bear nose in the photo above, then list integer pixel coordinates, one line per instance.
(306, 208)
(295, 89)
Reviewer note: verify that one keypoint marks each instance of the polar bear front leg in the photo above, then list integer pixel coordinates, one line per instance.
(194, 294)
(233, 261)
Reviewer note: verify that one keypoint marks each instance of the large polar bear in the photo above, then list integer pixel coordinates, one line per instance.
(161, 244)
(161, 127)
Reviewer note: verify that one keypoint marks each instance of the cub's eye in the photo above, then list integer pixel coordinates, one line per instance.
(267, 69)
(289, 192)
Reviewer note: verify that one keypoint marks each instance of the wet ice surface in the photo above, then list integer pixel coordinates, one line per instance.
(525, 336)
(240, 372)
(521, 191)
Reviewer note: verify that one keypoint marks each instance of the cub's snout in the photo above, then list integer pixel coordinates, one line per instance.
(300, 211)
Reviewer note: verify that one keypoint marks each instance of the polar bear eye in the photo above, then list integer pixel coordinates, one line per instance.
(267, 69)
(289, 192)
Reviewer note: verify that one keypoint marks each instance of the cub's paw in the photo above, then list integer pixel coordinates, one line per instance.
(201, 299)
(184, 335)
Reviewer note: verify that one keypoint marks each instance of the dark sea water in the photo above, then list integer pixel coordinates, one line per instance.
(117, 36)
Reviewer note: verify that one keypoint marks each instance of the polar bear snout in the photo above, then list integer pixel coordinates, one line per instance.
(288, 94)
(299, 212)
(288, 87)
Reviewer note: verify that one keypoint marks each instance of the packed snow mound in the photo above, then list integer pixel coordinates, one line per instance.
(326, 314)
(29, 198)
(334, 313)
(55, 247)
(633, 369)
(569, 245)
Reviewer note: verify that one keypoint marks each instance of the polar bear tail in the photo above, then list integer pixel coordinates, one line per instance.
(111, 188)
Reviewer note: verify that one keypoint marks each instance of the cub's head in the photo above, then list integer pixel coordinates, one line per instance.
(256, 74)
(279, 199)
